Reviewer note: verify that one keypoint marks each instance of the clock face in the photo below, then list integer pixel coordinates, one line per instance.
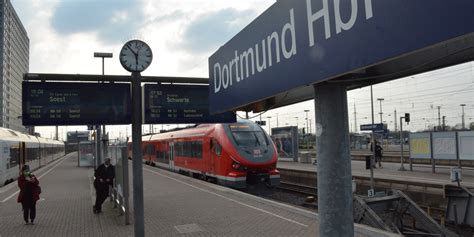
(135, 56)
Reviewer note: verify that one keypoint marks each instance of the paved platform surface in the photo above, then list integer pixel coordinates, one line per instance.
(175, 205)
(420, 173)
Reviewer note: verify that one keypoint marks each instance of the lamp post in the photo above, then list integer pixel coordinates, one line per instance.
(98, 132)
(103, 56)
(372, 144)
(380, 100)
(402, 168)
(269, 128)
(306, 111)
(296, 122)
(463, 124)
(310, 126)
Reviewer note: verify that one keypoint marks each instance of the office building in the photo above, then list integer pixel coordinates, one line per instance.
(14, 55)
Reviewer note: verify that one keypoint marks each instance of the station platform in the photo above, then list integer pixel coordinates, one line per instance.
(175, 205)
(390, 171)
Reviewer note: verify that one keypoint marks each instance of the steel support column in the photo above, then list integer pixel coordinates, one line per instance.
(334, 161)
(138, 209)
(98, 146)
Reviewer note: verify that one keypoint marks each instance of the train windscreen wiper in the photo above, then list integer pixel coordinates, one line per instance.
(256, 139)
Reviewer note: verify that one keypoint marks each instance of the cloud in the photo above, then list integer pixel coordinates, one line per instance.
(173, 16)
(113, 20)
(209, 31)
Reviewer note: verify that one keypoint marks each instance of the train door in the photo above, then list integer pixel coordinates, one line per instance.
(214, 157)
(171, 155)
(150, 150)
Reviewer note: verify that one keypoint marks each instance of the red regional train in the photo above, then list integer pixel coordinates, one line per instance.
(233, 155)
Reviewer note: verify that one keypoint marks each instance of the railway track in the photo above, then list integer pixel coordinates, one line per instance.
(298, 188)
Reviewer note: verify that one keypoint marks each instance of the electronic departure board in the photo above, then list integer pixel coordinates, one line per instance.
(181, 104)
(48, 103)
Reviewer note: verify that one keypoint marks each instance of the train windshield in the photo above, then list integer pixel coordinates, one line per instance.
(247, 137)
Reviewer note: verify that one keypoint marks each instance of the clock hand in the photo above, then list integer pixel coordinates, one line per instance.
(136, 55)
(128, 46)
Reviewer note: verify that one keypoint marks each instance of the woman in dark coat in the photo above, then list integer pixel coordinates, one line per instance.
(29, 193)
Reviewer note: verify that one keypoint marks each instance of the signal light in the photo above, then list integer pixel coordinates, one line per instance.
(407, 117)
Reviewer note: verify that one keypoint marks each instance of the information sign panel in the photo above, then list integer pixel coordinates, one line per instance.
(420, 145)
(181, 104)
(48, 103)
(77, 136)
(298, 43)
(466, 145)
(444, 145)
(377, 127)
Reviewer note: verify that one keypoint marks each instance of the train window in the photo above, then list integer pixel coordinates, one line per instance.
(161, 156)
(31, 154)
(197, 149)
(217, 148)
(178, 149)
(188, 149)
(14, 156)
(150, 149)
(249, 138)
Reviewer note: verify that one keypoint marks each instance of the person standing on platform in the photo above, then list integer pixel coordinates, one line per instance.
(378, 153)
(29, 194)
(104, 177)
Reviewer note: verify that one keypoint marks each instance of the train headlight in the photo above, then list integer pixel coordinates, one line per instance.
(237, 166)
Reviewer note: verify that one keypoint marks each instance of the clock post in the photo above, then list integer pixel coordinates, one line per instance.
(135, 57)
(138, 204)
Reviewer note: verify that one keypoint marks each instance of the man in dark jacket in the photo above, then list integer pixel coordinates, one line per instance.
(378, 153)
(104, 177)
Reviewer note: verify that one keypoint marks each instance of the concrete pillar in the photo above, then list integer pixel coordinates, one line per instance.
(334, 161)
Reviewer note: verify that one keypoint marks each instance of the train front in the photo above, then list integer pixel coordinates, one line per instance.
(254, 155)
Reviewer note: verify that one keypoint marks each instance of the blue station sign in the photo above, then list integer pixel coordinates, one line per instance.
(180, 104)
(48, 103)
(375, 127)
(294, 44)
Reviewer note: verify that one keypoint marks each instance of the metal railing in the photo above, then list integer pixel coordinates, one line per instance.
(121, 189)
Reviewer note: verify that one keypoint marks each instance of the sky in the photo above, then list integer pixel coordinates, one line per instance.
(64, 34)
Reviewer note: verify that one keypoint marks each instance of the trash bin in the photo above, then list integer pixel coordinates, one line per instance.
(367, 162)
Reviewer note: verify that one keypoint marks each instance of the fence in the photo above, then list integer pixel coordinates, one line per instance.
(121, 188)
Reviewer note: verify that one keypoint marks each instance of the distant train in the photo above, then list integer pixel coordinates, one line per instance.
(17, 149)
(232, 155)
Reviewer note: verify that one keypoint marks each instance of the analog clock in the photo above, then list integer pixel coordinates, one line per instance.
(135, 56)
